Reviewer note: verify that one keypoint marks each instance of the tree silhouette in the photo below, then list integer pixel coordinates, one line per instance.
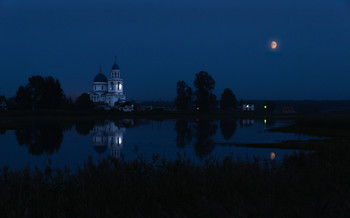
(205, 99)
(183, 100)
(204, 145)
(40, 138)
(184, 133)
(84, 127)
(40, 93)
(228, 100)
(83, 102)
(23, 98)
(228, 128)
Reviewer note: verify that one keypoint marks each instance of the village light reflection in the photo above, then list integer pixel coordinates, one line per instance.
(272, 156)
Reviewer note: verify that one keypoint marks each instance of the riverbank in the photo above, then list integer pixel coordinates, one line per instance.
(335, 125)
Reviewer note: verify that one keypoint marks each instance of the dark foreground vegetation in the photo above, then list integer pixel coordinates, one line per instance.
(313, 184)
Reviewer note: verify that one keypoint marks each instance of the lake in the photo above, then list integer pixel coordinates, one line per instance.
(60, 144)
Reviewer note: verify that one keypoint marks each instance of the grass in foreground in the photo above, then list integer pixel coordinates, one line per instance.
(304, 185)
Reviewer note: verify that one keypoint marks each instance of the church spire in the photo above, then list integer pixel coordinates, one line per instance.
(115, 65)
(100, 69)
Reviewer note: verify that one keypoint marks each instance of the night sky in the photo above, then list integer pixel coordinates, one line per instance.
(159, 42)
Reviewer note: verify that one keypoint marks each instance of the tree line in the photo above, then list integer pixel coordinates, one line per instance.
(46, 93)
(202, 98)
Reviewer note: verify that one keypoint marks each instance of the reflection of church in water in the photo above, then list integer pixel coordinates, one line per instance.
(108, 135)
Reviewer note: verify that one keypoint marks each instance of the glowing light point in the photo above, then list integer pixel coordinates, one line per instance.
(265, 121)
(265, 106)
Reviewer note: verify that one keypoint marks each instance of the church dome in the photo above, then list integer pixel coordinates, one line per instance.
(115, 67)
(100, 78)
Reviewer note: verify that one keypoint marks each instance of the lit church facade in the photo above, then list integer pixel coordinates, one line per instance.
(109, 91)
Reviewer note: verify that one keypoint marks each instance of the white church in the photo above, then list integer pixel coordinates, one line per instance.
(109, 91)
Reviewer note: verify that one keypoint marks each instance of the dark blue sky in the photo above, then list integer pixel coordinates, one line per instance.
(159, 42)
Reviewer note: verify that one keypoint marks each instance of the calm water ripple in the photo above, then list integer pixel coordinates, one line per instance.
(62, 144)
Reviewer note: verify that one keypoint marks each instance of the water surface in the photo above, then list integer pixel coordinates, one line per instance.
(70, 144)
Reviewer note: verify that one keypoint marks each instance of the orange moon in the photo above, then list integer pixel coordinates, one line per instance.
(273, 45)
